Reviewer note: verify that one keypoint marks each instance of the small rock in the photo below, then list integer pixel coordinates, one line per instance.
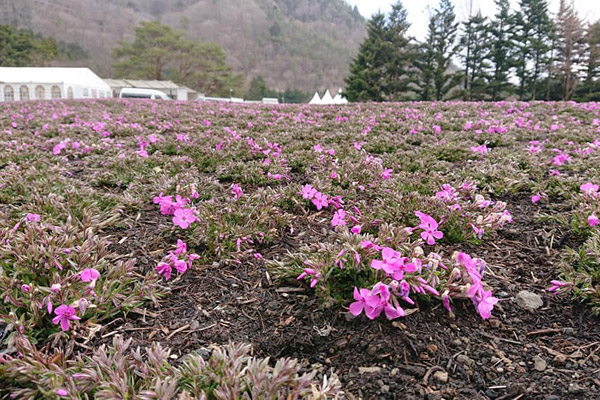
(385, 389)
(539, 364)
(341, 343)
(456, 342)
(372, 350)
(394, 372)
(465, 361)
(528, 300)
(369, 370)
(194, 325)
(432, 348)
(560, 359)
(575, 388)
(440, 376)
(495, 323)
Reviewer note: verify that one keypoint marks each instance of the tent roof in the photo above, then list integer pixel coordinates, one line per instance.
(316, 99)
(142, 84)
(74, 76)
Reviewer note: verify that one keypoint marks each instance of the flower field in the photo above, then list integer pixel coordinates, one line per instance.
(160, 250)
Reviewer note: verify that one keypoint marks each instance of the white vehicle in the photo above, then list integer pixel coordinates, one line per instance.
(134, 93)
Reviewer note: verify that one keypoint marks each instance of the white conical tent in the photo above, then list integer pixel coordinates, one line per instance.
(339, 99)
(316, 99)
(327, 99)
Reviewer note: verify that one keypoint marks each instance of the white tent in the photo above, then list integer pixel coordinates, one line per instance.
(339, 99)
(316, 99)
(51, 83)
(327, 99)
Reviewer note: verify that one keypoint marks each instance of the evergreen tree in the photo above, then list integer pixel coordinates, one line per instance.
(501, 50)
(22, 48)
(425, 64)
(161, 52)
(570, 46)
(475, 42)
(533, 36)
(445, 48)
(434, 58)
(401, 54)
(369, 68)
(590, 88)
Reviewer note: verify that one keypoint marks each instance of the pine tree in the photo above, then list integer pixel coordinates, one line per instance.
(425, 64)
(368, 69)
(445, 48)
(434, 59)
(590, 88)
(402, 53)
(475, 42)
(501, 50)
(571, 46)
(533, 37)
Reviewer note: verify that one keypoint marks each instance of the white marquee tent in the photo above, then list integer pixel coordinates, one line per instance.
(18, 84)
(339, 99)
(316, 99)
(327, 99)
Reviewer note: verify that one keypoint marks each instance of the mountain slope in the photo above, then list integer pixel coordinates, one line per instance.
(304, 44)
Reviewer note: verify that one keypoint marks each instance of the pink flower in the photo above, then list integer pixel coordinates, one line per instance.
(361, 301)
(320, 200)
(310, 272)
(181, 247)
(593, 220)
(437, 129)
(339, 218)
(32, 217)
(64, 314)
(61, 392)
(486, 304)
(386, 174)
(89, 275)
(25, 288)
(184, 217)
(164, 269)
(308, 192)
(535, 198)
(356, 229)
(236, 190)
(181, 266)
(590, 189)
(429, 226)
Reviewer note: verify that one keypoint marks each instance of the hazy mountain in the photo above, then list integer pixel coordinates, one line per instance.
(305, 44)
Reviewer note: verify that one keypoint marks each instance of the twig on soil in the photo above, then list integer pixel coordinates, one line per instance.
(178, 330)
(487, 335)
(543, 331)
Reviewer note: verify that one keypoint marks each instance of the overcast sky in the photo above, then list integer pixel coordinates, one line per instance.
(418, 10)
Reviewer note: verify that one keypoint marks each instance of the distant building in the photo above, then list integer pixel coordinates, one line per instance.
(169, 88)
(20, 84)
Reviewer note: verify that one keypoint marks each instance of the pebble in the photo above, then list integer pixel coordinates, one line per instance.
(464, 360)
(372, 350)
(575, 388)
(440, 376)
(539, 364)
(194, 325)
(369, 370)
(528, 300)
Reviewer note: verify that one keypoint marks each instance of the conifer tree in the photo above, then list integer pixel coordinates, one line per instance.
(501, 50)
(475, 42)
(369, 68)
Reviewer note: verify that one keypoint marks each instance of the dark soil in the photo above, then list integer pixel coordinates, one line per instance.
(552, 353)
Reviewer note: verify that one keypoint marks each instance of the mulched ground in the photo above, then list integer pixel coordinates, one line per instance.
(551, 353)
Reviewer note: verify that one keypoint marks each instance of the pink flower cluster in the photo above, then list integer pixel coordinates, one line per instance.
(180, 259)
(183, 216)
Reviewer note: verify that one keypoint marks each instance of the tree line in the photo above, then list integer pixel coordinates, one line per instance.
(527, 54)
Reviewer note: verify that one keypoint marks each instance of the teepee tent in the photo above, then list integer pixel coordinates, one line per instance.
(316, 99)
(339, 99)
(327, 99)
